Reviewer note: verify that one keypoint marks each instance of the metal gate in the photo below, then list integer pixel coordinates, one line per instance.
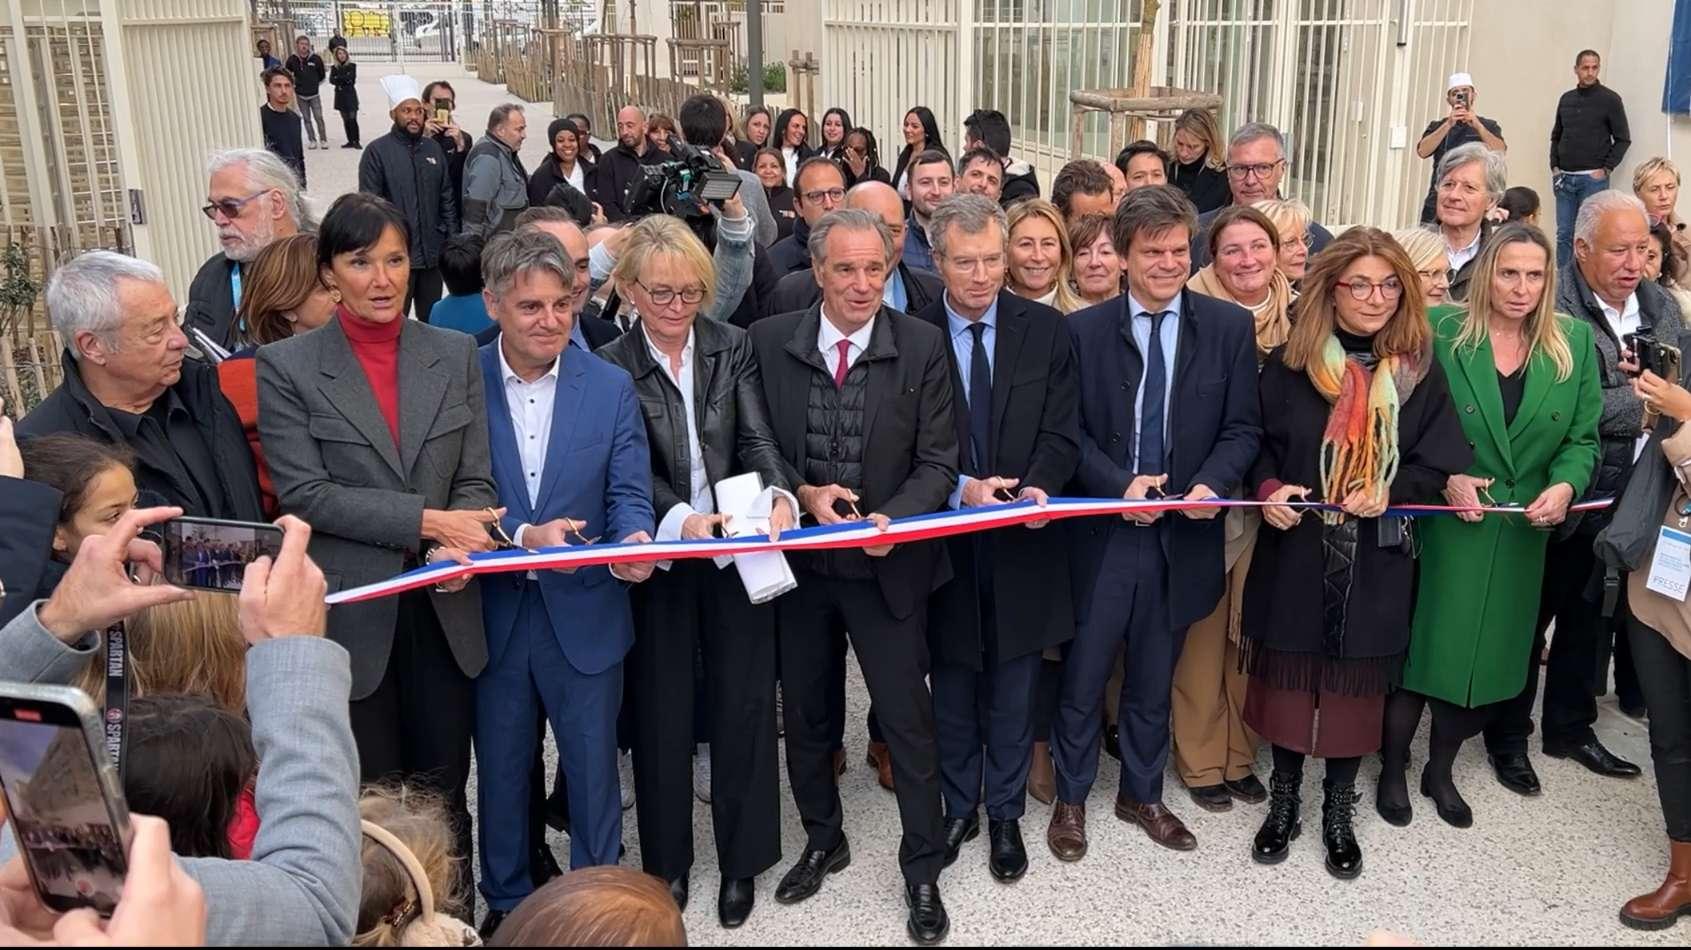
(377, 31)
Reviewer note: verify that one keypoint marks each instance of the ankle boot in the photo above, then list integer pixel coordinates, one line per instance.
(1659, 909)
(1338, 811)
(1391, 796)
(1282, 826)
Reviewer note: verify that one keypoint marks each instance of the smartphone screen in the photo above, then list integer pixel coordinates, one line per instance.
(211, 554)
(442, 114)
(54, 773)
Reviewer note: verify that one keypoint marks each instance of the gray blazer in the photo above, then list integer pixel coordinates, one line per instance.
(334, 464)
(301, 886)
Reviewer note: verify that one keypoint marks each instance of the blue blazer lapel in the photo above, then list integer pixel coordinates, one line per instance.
(566, 404)
(507, 469)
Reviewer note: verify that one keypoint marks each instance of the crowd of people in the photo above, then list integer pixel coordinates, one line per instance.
(864, 346)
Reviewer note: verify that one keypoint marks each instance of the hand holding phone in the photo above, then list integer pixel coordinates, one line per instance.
(161, 906)
(283, 597)
(97, 591)
(212, 554)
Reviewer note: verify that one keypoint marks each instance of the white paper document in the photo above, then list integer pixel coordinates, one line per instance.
(765, 574)
(1670, 569)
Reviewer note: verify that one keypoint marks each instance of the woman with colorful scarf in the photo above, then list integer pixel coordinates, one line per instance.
(1356, 413)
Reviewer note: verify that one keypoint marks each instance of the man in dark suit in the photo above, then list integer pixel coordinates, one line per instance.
(908, 289)
(861, 402)
(1013, 366)
(1168, 404)
(570, 458)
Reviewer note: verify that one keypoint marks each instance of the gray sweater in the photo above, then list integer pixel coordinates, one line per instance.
(301, 887)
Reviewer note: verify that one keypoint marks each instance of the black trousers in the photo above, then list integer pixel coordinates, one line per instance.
(893, 653)
(417, 726)
(1665, 676)
(1577, 656)
(349, 122)
(693, 607)
(424, 292)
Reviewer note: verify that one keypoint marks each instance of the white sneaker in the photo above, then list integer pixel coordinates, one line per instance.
(701, 773)
(625, 776)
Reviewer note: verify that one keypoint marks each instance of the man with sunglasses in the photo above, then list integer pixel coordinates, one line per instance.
(1256, 163)
(254, 200)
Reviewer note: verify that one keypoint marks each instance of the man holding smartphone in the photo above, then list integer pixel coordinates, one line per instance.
(1461, 126)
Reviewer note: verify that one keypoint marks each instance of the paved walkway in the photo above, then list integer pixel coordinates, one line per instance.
(1551, 870)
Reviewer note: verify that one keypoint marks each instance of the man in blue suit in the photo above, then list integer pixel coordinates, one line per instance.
(1168, 404)
(570, 459)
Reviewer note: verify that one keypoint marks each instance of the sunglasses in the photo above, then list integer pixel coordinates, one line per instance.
(231, 207)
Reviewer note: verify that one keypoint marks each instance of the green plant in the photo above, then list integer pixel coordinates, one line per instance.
(17, 289)
(774, 78)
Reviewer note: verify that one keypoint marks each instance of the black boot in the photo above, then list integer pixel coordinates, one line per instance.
(1338, 811)
(1282, 826)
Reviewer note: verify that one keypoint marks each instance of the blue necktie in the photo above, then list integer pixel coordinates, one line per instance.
(1151, 453)
(980, 402)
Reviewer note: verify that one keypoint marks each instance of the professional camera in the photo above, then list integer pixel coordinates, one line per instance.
(682, 185)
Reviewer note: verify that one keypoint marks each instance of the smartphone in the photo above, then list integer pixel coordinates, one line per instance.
(442, 113)
(1462, 99)
(211, 554)
(62, 793)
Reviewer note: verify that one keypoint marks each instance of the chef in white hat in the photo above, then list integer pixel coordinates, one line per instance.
(1461, 126)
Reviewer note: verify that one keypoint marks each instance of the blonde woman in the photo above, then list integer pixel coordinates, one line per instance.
(1426, 251)
(1656, 183)
(1533, 376)
(1041, 261)
(1291, 219)
(1199, 160)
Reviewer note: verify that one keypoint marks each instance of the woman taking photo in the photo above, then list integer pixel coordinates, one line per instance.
(1533, 377)
(561, 178)
(1356, 413)
(1097, 266)
(921, 132)
(706, 421)
(388, 484)
(771, 170)
(1040, 259)
(1200, 160)
(860, 158)
(1426, 251)
(344, 77)
(792, 130)
(281, 296)
(836, 122)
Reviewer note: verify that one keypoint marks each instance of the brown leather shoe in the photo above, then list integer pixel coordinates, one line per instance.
(880, 760)
(1067, 832)
(1666, 904)
(1164, 827)
(1042, 775)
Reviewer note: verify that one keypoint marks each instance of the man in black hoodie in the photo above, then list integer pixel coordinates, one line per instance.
(989, 128)
(621, 165)
(280, 122)
(410, 170)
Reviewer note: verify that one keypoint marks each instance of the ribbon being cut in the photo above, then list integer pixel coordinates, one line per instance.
(852, 534)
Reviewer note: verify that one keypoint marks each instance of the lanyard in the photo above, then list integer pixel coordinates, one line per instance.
(117, 692)
(235, 284)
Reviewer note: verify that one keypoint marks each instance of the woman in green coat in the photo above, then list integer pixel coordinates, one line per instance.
(1524, 381)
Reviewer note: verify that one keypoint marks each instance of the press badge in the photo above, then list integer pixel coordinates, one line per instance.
(1670, 569)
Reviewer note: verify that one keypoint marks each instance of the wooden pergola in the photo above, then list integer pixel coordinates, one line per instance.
(1129, 109)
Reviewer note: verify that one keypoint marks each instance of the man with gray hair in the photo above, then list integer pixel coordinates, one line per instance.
(127, 383)
(1256, 164)
(1017, 421)
(1606, 288)
(860, 398)
(253, 198)
(495, 182)
(1471, 181)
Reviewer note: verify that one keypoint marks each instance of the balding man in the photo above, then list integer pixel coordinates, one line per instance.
(620, 166)
(1605, 288)
(127, 383)
(253, 199)
(908, 289)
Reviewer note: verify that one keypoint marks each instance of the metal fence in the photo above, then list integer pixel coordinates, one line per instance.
(377, 31)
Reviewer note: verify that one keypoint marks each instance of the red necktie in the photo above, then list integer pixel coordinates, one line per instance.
(843, 367)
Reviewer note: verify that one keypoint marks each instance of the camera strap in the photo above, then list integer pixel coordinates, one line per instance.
(117, 691)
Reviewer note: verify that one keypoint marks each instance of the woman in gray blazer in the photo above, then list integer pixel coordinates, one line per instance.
(376, 436)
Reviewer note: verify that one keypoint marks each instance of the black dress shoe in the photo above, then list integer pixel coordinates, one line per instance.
(1248, 789)
(1593, 756)
(1391, 797)
(929, 922)
(1515, 773)
(678, 890)
(957, 831)
(1009, 859)
(805, 878)
(490, 924)
(734, 901)
(1112, 742)
(1449, 803)
(1212, 797)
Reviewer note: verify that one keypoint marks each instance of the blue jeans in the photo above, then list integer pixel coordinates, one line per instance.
(1571, 191)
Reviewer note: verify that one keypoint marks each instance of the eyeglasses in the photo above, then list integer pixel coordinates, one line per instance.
(1261, 170)
(1361, 288)
(1435, 274)
(972, 264)
(829, 194)
(665, 296)
(231, 207)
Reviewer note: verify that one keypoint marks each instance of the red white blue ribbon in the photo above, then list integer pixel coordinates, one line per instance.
(852, 534)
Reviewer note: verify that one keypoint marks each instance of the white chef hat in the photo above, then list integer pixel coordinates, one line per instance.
(401, 89)
(1457, 80)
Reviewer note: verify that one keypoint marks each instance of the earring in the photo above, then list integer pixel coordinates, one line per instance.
(335, 294)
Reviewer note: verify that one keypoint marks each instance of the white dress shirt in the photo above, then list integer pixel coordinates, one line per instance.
(530, 406)
(1626, 321)
(829, 336)
(1459, 256)
(669, 529)
(1170, 335)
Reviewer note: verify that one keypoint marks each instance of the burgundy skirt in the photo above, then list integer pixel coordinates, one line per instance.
(1324, 724)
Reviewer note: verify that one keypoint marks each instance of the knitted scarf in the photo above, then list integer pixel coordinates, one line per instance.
(1273, 322)
(1359, 449)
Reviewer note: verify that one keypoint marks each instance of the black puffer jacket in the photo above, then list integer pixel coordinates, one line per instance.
(833, 451)
(414, 175)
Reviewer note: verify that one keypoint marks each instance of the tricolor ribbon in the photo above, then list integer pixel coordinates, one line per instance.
(853, 534)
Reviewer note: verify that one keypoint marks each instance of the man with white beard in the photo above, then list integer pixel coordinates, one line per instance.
(254, 199)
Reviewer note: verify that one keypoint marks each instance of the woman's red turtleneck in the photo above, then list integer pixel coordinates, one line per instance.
(376, 345)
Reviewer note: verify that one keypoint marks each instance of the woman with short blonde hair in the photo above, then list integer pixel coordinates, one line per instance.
(1427, 252)
(1291, 219)
(1656, 183)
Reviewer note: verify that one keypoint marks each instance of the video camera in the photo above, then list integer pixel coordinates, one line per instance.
(681, 186)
